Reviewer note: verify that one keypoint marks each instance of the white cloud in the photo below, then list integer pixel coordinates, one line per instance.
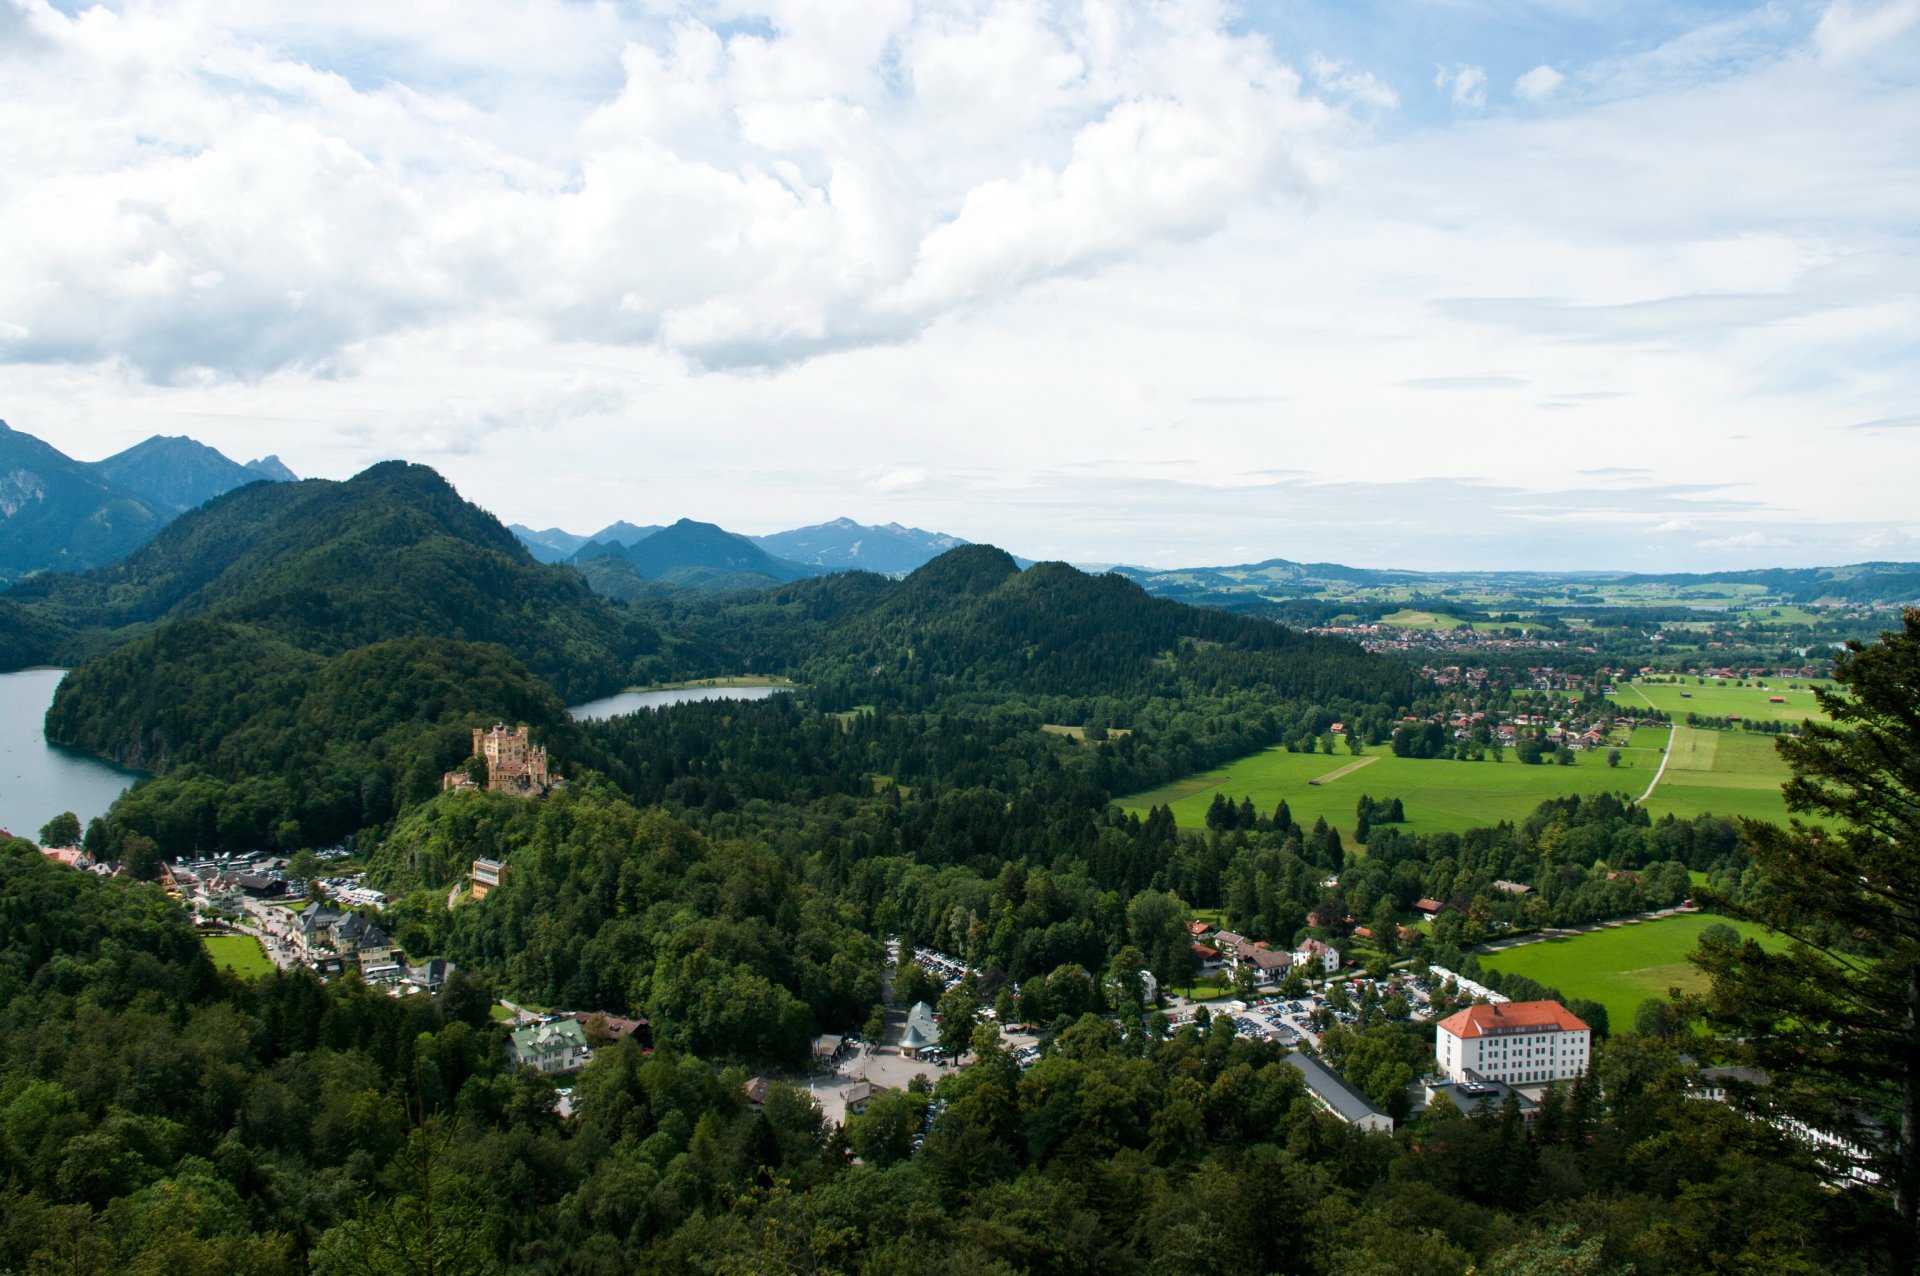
(1848, 29)
(1029, 261)
(1538, 84)
(898, 479)
(1465, 85)
(1891, 538)
(1744, 540)
(1345, 81)
(843, 176)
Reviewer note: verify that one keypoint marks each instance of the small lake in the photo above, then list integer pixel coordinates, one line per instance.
(39, 780)
(633, 701)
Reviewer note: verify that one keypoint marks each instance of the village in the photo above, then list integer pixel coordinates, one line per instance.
(1488, 1051)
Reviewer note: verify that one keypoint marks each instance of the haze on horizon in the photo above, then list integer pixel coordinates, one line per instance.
(1436, 284)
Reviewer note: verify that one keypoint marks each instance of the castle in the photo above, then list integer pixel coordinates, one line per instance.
(514, 764)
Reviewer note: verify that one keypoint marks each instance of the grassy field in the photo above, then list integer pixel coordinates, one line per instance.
(241, 954)
(1717, 700)
(724, 680)
(1619, 967)
(1722, 772)
(1439, 796)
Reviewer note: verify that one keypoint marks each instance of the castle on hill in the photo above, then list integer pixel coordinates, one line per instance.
(515, 764)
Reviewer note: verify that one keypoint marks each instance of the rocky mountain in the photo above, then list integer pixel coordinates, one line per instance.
(174, 473)
(844, 545)
(271, 467)
(59, 514)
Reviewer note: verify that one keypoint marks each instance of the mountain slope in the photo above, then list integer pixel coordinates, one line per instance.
(59, 514)
(175, 474)
(971, 622)
(844, 544)
(699, 555)
(326, 566)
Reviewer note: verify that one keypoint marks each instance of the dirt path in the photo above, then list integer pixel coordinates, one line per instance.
(1666, 754)
(1349, 768)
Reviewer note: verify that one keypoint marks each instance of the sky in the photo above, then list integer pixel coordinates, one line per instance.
(1398, 283)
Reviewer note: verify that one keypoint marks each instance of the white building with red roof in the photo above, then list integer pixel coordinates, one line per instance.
(1518, 1042)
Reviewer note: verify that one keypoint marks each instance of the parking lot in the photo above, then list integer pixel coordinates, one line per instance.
(1291, 1020)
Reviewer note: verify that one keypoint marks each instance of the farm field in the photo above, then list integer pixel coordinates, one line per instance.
(1722, 772)
(241, 954)
(1620, 966)
(1409, 618)
(1439, 795)
(1713, 700)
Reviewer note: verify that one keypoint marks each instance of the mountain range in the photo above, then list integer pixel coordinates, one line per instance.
(61, 514)
(64, 515)
(839, 545)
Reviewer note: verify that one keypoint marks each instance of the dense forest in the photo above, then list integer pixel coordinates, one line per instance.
(158, 1116)
(301, 662)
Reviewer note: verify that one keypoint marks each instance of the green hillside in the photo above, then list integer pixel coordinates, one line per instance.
(325, 567)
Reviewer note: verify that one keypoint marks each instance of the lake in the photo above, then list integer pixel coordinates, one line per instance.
(632, 701)
(39, 780)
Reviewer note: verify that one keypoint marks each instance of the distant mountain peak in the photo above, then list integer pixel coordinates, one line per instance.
(273, 468)
(624, 533)
(844, 543)
(174, 473)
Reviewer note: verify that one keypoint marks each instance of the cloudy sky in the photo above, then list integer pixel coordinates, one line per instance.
(1419, 283)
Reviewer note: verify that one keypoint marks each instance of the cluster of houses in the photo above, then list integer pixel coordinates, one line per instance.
(329, 938)
(1225, 950)
(1438, 641)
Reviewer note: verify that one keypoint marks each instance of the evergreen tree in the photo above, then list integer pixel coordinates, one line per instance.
(1835, 1018)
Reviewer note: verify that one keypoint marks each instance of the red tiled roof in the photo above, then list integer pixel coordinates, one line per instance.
(1512, 1016)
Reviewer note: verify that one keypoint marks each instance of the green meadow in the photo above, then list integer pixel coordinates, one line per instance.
(1620, 966)
(241, 954)
(1722, 773)
(1721, 700)
(1439, 795)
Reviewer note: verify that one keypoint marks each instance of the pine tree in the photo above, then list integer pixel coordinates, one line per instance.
(1835, 1018)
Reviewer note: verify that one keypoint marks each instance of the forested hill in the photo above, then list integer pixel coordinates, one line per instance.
(327, 566)
(972, 621)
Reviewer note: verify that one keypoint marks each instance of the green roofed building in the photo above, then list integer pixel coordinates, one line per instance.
(560, 1046)
(923, 1030)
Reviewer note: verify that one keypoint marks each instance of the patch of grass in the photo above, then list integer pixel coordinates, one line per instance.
(1620, 966)
(1439, 796)
(499, 1013)
(1722, 700)
(241, 954)
(1080, 733)
(725, 680)
(1730, 773)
